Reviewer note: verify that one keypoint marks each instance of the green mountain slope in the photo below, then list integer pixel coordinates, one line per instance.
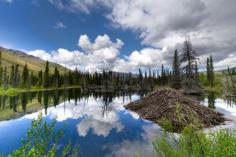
(34, 64)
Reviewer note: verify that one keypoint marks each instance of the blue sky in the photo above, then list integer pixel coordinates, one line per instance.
(119, 35)
(30, 25)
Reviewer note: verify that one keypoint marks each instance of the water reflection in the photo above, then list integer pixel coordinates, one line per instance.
(90, 120)
(211, 100)
(226, 106)
(23, 103)
(231, 100)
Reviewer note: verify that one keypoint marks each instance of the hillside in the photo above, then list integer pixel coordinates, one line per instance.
(35, 64)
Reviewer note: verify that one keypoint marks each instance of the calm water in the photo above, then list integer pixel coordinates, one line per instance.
(98, 123)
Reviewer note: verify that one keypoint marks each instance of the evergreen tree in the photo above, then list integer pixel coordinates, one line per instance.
(46, 76)
(5, 78)
(212, 75)
(145, 75)
(233, 71)
(16, 77)
(77, 76)
(12, 75)
(228, 70)
(40, 78)
(149, 73)
(1, 75)
(56, 77)
(0, 58)
(25, 76)
(1, 69)
(140, 77)
(70, 77)
(153, 74)
(176, 79)
(208, 69)
(188, 59)
(163, 75)
(30, 80)
(189, 84)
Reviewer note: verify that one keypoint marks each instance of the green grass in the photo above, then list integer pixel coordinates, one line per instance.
(15, 91)
(196, 143)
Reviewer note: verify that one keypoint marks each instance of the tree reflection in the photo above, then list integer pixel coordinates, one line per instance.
(211, 100)
(14, 102)
(45, 101)
(32, 101)
(107, 99)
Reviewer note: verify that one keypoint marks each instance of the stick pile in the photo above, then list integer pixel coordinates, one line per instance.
(174, 106)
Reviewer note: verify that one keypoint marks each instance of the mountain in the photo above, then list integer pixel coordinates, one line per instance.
(34, 64)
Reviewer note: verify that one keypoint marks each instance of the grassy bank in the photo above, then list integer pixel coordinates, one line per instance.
(15, 91)
(196, 143)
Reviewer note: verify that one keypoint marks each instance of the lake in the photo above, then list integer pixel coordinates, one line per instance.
(98, 123)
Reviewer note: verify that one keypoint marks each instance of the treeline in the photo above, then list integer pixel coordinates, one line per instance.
(184, 74)
(230, 71)
(17, 77)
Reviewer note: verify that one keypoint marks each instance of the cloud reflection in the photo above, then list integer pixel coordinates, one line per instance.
(95, 114)
(144, 147)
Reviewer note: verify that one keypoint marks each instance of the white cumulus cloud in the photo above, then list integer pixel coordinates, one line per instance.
(96, 56)
(166, 23)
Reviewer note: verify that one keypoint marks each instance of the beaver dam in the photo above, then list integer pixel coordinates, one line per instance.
(179, 109)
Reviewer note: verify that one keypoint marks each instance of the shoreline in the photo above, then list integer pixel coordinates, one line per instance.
(15, 91)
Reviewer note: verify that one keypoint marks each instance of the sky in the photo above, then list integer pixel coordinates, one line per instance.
(119, 35)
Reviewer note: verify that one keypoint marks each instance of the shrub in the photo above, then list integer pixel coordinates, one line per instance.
(41, 141)
(196, 143)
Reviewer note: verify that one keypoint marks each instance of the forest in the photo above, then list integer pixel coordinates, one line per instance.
(184, 74)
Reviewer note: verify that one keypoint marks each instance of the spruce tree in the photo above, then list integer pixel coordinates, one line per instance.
(46, 76)
(0, 58)
(176, 79)
(5, 78)
(12, 75)
(228, 69)
(16, 77)
(77, 76)
(40, 78)
(56, 77)
(208, 69)
(212, 75)
(1, 69)
(30, 79)
(188, 59)
(1, 75)
(25, 76)
(163, 75)
(140, 77)
(145, 75)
